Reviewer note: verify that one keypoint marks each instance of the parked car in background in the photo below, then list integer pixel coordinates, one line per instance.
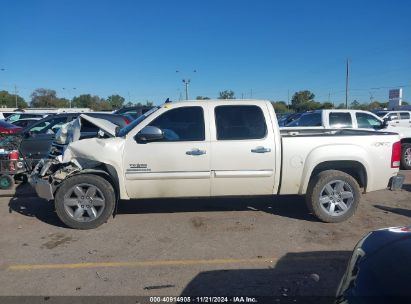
(21, 115)
(4, 115)
(25, 122)
(395, 118)
(379, 270)
(354, 119)
(288, 118)
(38, 137)
(8, 128)
(133, 111)
(215, 148)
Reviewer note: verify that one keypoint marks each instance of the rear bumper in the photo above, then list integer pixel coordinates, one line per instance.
(396, 182)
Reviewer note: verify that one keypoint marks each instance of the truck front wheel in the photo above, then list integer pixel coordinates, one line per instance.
(333, 196)
(84, 201)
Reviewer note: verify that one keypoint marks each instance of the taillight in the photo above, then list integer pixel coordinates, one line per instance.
(396, 155)
(126, 120)
(14, 155)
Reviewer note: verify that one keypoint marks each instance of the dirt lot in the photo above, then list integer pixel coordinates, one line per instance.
(264, 246)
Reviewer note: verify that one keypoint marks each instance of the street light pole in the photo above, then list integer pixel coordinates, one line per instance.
(69, 96)
(186, 83)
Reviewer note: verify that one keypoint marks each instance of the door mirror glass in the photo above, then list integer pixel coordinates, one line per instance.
(149, 133)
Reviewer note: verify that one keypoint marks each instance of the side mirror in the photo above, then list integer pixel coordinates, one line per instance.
(149, 133)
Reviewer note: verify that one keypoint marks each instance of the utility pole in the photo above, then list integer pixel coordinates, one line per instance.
(329, 98)
(288, 100)
(346, 83)
(15, 94)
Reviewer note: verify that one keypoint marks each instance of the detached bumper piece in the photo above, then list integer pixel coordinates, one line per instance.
(396, 182)
(42, 187)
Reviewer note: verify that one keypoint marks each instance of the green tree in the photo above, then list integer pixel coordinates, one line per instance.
(9, 100)
(341, 106)
(302, 100)
(116, 101)
(327, 105)
(45, 98)
(227, 94)
(375, 105)
(280, 106)
(93, 102)
(202, 98)
(309, 106)
(355, 105)
(404, 103)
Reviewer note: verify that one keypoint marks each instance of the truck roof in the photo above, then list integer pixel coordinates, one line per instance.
(218, 101)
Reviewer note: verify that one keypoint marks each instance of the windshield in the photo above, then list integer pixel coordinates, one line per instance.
(124, 131)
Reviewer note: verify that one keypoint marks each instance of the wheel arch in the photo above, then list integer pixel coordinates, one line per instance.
(354, 168)
(107, 172)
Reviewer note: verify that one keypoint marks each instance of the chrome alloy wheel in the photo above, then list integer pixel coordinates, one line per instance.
(84, 202)
(407, 156)
(336, 197)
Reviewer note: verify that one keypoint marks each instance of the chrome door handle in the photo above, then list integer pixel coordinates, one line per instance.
(196, 152)
(260, 150)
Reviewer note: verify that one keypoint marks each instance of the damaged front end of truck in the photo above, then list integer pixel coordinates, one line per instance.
(101, 154)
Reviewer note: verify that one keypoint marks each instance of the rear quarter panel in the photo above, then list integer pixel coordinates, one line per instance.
(302, 154)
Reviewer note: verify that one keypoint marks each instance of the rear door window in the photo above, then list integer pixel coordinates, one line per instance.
(404, 115)
(340, 120)
(240, 122)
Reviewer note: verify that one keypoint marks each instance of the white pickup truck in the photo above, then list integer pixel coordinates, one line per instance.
(356, 119)
(214, 148)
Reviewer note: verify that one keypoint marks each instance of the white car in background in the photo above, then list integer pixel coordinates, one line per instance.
(395, 118)
(353, 119)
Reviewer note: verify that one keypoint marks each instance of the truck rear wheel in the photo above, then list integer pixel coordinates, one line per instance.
(84, 201)
(406, 156)
(333, 196)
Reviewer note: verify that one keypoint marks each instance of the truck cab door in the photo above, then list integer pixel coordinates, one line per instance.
(178, 164)
(242, 150)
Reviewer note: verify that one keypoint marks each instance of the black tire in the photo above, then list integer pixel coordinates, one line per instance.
(405, 151)
(316, 189)
(6, 182)
(104, 189)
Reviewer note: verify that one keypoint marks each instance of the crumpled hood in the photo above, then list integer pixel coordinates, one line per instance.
(92, 150)
(70, 132)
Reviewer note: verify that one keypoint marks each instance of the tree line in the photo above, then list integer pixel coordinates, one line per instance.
(45, 98)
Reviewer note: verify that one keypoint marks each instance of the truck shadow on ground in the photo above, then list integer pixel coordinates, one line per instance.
(310, 277)
(286, 206)
(291, 206)
(400, 211)
(24, 203)
(406, 187)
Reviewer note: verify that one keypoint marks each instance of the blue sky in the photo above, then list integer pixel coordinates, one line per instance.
(259, 48)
